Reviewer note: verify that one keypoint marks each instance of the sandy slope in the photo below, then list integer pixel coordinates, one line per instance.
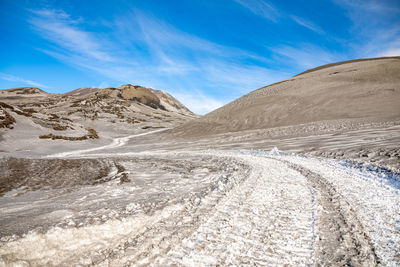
(367, 89)
(345, 110)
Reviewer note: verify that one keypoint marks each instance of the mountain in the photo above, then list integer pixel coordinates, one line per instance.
(82, 91)
(170, 102)
(165, 100)
(366, 89)
(22, 92)
(30, 117)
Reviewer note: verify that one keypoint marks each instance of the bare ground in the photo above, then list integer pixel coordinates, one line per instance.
(208, 208)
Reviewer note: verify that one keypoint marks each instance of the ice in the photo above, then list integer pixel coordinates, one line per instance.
(274, 151)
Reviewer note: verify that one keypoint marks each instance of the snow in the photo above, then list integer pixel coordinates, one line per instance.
(256, 223)
(268, 208)
(375, 200)
(117, 142)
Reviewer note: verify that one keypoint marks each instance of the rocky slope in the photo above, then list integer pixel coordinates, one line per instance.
(30, 117)
(141, 94)
(22, 92)
(169, 102)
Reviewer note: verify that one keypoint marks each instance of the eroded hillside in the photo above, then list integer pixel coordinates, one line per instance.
(30, 118)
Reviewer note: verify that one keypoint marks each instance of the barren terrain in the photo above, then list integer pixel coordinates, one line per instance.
(294, 174)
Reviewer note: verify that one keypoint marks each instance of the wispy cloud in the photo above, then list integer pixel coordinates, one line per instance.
(305, 56)
(387, 43)
(308, 24)
(59, 28)
(382, 7)
(19, 80)
(260, 8)
(266, 10)
(376, 26)
(243, 79)
(102, 85)
(390, 53)
(144, 50)
(201, 103)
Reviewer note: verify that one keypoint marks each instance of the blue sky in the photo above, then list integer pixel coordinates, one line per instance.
(205, 53)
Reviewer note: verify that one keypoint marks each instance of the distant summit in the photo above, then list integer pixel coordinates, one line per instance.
(82, 91)
(133, 93)
(147, 96)
(22, 91)
(85, 113)
(170, 102)
(157, 99)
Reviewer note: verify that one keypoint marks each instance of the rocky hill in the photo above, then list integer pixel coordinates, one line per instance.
(31, 116)
(15, 93)
(169, 102)
(141, 94)
(82, 91)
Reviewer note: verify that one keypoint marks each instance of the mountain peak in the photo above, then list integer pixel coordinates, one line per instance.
(24, 91)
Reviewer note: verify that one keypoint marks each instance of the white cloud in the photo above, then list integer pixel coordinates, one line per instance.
(103, 85)
(158, 33)
(146, 51)
(260, 8)
(242, 78)
(375, 29)
(59, 28)
(385, 43)
(384, 46)
(378, 7)
(12, 78)
(390, 53)
(306, 56)
(198, 102)
(307, 24)
(266, 10)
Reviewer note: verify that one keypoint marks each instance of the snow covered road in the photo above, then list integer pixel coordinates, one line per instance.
(279, 210)
(117, 142)
(267, 220)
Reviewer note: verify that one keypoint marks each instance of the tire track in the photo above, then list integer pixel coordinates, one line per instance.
(373, 198)
(137, 238)
(342, 239)
(269, 210)
(160, 237)
(267, 220)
